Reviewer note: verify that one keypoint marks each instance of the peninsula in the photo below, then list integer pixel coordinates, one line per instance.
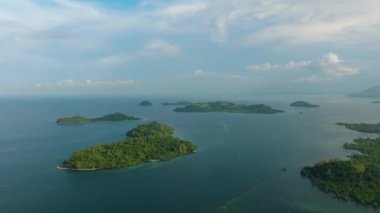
(303, 104)
(82, 120)
(145, 103)
(150, 142)
(226, 106)
(354, 179)
(362, 127)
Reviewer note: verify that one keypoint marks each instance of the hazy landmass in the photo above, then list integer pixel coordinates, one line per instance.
(373, 92)
(355, 179)
(226, 106)
(82, 120)
(179, 103)
(303, 104)
(376, 102)
(145, 103)
(147, 143)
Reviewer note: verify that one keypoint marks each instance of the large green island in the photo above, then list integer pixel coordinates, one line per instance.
(82, 120)
(357, 178)
(146, 143)
(303, 104)
(226, 106)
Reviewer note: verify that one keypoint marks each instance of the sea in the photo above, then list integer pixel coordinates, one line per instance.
(239, 167)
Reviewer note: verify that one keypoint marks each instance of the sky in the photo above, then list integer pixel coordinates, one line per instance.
(188, 47)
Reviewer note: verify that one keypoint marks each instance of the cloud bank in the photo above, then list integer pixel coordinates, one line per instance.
(329, 67)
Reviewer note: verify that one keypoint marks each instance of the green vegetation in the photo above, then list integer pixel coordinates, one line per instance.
(225, 106)
(362, 127)
(303, 104)
(145, 103)
(147, 143)
(179, 103)
(83, 120)
(355, 179)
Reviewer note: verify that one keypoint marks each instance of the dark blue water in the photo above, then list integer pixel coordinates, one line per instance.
(238, 167)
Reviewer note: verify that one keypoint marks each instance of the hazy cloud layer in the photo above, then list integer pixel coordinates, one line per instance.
(48, 41)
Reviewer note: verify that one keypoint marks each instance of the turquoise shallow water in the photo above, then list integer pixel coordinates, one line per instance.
(238, 167)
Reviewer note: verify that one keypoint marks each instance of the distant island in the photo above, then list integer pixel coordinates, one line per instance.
(82, 120)
(145, 103)
(150, 142)
(226, 106)
(376, 102)
(362, 127)
(355, 179)
(303, 104)
(373, 92)
(179, 103)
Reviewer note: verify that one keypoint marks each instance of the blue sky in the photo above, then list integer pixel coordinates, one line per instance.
(188, 47)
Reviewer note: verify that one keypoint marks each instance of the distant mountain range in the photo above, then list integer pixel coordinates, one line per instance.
(373, 92)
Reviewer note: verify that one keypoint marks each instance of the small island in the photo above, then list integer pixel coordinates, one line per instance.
(376, 102)
(150, 142)
(303, 104)
(145, 103)
(83, 120)
(362, 127)
(226, 106)
(356, 179)
(179, 103)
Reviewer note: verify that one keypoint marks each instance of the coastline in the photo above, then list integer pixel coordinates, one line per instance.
(70, 169)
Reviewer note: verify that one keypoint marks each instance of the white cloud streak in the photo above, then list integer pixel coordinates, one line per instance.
(260, 20)
(328, 68)
(153, 49)
(203, 74)
(95, 84)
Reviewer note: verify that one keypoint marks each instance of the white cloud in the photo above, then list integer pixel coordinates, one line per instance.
(159, 48)
(182, 9)
(270, 67)
(261, 67)
(332, 66)
(155, 48)
(199, 73)
(257, 20)
(328, 68)
(297, 65)
(73, 84)
(115, 60)
(202, 74)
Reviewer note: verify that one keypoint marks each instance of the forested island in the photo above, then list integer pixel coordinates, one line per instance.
(179, 103)
(357, 178)
(146, 143)
(226, 106)
(362, 127)
(82, 120)
(303, 104)
(145, 103)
